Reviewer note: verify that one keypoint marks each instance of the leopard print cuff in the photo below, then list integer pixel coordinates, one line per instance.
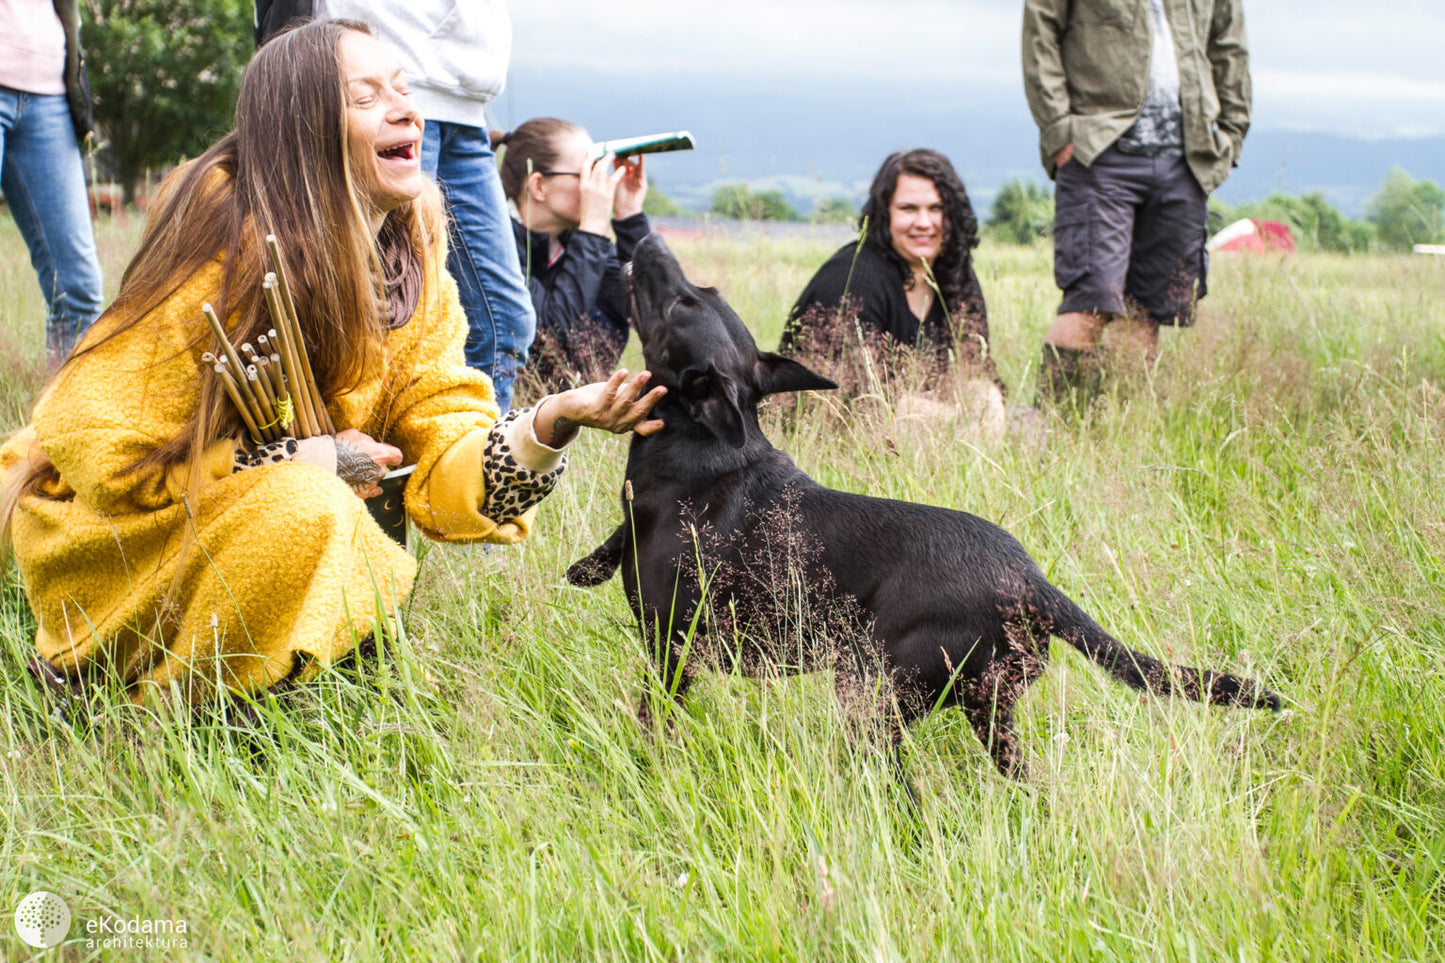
(273, 453)
(511, 487)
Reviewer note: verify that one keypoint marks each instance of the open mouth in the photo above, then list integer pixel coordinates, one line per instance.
(403, 152)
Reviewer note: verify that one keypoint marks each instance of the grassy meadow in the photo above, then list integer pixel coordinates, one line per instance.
(1270, 501)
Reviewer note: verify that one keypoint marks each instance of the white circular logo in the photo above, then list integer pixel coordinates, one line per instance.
(42, 919)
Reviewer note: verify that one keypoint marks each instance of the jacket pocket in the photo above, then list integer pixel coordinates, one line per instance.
(1104, 11)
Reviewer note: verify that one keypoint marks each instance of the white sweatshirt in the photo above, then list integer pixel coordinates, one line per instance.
(455, 52)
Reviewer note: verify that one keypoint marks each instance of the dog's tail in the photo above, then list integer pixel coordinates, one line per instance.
(1065, 619)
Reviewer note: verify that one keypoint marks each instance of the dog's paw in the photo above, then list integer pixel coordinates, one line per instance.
(592, 570)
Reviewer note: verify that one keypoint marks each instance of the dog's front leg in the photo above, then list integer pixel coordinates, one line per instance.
(675, 677)
(600, 564)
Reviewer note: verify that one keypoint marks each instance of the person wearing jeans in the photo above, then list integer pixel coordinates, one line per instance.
(454, 54)
(483, 255)
(43, 110)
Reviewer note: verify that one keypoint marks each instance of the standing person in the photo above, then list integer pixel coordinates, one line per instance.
(455, 54)
(44, 118)
(163, 547)
(563, 201)
(1142, 107)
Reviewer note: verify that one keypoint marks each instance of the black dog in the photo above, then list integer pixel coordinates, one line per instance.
(723, 538)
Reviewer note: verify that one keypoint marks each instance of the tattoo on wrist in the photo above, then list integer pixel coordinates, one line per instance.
(562, 428)
(355, 467)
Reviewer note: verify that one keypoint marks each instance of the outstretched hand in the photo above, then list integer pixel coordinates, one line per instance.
(617, 405)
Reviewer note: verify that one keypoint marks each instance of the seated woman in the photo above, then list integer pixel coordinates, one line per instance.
(562, 200)
(158, 543)
(878, 288)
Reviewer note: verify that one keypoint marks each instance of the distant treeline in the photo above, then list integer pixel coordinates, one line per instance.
(740, 202)
(1402, 213)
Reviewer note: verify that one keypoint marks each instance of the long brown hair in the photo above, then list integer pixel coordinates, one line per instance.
(284, 170)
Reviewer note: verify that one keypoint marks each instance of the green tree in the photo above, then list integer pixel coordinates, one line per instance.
(1408, 212)
(164, 77)
(737, 201)
(1317, 224)
(1022, 212)
(658, 204)
(834, 210)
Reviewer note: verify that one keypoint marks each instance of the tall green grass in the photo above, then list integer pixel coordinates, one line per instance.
(1271, 500)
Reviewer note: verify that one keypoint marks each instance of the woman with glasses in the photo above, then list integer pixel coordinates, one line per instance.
(563, 201)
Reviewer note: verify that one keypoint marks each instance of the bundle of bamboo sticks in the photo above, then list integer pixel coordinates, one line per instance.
(273, 389)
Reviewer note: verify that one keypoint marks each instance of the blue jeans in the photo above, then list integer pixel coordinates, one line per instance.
(483, 256)
(44, 185)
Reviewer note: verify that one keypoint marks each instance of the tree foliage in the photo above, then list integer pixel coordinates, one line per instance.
(1408, 212)
(1022, 213)
(164, 77)
(658, 204)
(834, 210)
(1317, 224)
(738, 201)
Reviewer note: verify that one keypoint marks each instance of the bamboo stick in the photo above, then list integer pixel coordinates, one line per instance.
(278, 384)
(235, 393)
(262, 386)
(318, 406)
(252, 408)
(235, 361)
(271, 425)
(290, 363)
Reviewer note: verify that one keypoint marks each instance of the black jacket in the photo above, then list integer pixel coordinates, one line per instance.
(875, 293)
(77, 83)
(272, 15)
(581, 307)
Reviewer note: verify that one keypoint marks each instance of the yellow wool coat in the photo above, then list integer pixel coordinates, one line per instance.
(285, 563)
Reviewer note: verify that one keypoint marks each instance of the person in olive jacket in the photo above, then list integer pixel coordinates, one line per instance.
(562, 199)
(1142, 108)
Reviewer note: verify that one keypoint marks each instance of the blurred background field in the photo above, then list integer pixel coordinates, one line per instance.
(1271, 500)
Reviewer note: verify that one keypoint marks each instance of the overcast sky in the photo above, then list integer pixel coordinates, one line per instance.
(1362, 68)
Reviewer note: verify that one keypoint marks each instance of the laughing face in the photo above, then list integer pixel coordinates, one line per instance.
(915, 219)
(383, 129)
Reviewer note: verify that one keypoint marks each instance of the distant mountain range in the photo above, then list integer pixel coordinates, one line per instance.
(812, 141)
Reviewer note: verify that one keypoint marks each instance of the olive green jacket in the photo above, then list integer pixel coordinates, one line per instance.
(1086, 74)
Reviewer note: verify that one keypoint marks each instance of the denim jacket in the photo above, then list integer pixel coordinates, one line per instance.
(1086, 74)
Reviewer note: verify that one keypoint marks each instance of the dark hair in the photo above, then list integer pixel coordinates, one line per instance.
(535, 141)
(960, 225)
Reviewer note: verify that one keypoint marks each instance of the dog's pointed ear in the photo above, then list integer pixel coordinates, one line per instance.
(712, 402)
(777, 374)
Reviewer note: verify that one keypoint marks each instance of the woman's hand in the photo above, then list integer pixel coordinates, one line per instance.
(617, 405)
(361, 461)
(599, 187)
(632, 189)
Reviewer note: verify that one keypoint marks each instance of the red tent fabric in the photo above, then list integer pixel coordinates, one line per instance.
(1254, 237)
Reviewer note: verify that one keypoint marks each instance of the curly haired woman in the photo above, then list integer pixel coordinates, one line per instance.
(908, 283)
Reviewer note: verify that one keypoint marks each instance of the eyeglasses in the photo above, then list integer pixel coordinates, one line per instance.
(560, 173)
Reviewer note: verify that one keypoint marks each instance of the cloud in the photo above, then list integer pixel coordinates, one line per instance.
(1322, 64)
(927, 41)
(1351, 85)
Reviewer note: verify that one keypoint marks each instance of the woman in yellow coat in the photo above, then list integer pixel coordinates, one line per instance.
(157, 542)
